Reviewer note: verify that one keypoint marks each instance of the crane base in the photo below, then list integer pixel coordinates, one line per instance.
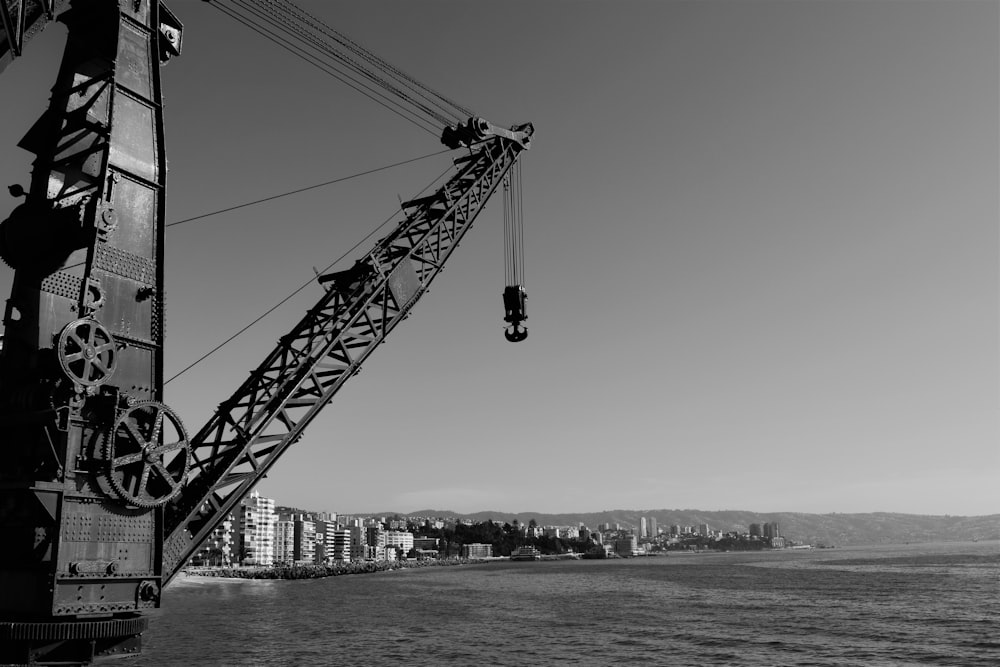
(70, 642)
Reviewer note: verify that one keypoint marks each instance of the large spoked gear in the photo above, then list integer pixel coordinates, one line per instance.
(88, 353)
(147, 454)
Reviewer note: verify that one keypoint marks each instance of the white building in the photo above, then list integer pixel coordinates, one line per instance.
(257, 523)
(399, 539)
(338, 544)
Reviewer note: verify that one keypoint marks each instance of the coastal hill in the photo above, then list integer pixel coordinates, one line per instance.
(834, 529)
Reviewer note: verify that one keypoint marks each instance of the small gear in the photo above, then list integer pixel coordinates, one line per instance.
(88, 353)
(148, 454)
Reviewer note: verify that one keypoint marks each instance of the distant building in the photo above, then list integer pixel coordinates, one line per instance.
(771, 530)
(755, 530)
(653, 531)
(304, 542)
(257, 522)
(704, 530)
(627, 546)
(425, 543)
(217, 549)
(341, 544)
(477, 550)
(359, 541)
(399, 539)
(284, 541)
(375, 536)
(643, 530)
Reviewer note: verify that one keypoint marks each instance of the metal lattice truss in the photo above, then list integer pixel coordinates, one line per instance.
(20, 20)
(360, 307)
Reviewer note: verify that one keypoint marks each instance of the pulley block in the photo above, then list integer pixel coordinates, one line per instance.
(514, 301)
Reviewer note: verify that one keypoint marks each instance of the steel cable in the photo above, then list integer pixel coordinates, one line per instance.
(298, 289)
(457, 110)
(328, 69)
(282, 22)
(310, 187)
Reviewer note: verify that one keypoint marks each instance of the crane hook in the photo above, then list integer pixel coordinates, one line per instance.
(515, 333)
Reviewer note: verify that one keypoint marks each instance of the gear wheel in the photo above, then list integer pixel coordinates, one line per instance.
(148, 454)
(87, 352)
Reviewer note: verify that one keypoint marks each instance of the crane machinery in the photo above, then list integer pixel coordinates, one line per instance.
(104, 496)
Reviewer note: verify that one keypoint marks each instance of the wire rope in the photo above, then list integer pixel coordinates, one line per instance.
(428, 93)
(300, 31)
(305, 189)
(297, 290)
(328, 69)
(315, 42)
(405, 96)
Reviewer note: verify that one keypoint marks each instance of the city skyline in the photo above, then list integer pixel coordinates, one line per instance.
(761, 247)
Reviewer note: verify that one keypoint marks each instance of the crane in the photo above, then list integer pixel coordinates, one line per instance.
(103, 494)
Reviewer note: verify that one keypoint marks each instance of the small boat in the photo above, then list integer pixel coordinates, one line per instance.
(526, 553)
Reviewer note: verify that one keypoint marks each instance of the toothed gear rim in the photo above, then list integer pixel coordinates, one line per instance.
(88, 353)
(148, 454)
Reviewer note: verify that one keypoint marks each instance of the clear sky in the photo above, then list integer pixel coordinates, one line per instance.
(761, 252)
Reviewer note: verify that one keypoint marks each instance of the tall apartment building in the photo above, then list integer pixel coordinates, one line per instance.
(771, 530)
(323, 547)
(257, 523)
(217, 549)
(643, 529)
(375, 537)
(359, 541)
(304, 551)
(284, 542)
(653, 532)
(755, 530)
(338, 544)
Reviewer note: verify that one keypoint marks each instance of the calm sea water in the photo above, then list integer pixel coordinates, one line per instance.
(933, 604)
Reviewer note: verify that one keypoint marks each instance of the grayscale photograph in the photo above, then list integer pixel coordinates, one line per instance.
(753, 418)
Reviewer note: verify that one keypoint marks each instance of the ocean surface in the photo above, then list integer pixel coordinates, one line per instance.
(927, 604)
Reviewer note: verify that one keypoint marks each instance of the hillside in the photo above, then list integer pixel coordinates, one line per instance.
(830, 529)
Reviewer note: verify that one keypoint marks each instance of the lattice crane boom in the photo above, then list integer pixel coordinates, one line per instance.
(311, 363)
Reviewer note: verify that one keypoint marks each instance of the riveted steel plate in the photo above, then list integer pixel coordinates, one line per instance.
(62, 284)
(403, 282)
(133, 143)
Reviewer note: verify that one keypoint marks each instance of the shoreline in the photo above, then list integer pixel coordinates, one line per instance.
(291, 572)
